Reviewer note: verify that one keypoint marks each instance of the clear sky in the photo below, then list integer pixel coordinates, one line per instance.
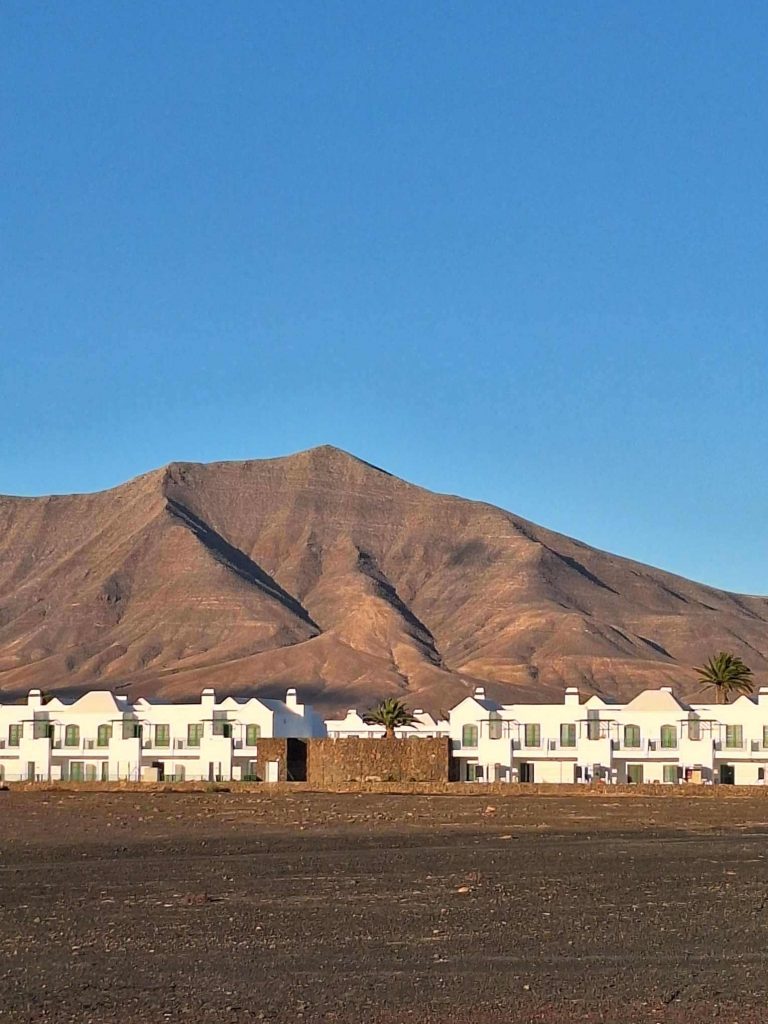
(515, 251)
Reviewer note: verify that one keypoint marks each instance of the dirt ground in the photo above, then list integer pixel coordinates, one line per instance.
(239, 907)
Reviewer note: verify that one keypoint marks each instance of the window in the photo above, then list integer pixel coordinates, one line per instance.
(634, 774)
(494, 726)
(533, 735)
(75, 768)
(105, 771)
(162, 735)
(568, 734)
(131, 729)
(14, 735)
(593, 729)
(179, 772)
(668, 737)
(194, 734)
(72, 736)
(632, 736)
(734, 736)
(103, 735)
(694, 729)
(90, 773)
(469, 736)
(670, 773)
(765, 735)
(41, 729)
(221, 727)
(252, 735)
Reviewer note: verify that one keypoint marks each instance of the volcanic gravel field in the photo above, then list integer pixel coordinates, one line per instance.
(237, 907)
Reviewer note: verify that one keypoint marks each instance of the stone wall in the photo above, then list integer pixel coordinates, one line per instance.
(338, 761)
(290, 754)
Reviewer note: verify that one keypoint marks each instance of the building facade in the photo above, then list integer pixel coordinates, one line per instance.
(104, 737)
(653, 738)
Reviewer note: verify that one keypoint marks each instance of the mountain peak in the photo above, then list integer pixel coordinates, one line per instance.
(322, 570)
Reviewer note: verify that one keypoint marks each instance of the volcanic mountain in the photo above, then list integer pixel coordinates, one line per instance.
(322, 571)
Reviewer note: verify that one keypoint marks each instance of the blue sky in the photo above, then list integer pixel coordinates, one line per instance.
(514, 251)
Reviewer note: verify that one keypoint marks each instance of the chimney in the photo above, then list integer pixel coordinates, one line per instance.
(762, 695)
(479, 693)
(571, 696)
(208, 699)
(665, 689)
(35, 699)
(290, 697)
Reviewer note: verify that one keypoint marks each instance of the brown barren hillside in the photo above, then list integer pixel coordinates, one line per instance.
(323, 571)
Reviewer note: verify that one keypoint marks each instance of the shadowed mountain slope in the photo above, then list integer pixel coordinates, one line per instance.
(325, 572)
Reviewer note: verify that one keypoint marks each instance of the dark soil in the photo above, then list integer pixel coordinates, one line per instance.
(227, 907)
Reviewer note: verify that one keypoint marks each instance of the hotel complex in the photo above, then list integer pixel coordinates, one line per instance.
(653, 738)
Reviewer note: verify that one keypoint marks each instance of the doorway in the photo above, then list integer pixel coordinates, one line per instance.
(527, 771)
(727, 774)
(634, 774)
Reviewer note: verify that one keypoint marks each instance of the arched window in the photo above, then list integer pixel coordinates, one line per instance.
(694, 729)
(252, 735)
(469, 736)
(668, 737)
(631, 735)
(494, 726)
(72, 736)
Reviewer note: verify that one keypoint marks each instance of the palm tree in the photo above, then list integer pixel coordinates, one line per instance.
(725, 674)
(391, 713)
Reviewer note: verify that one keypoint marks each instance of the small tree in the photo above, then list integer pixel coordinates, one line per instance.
(391, 713)
(725, 674)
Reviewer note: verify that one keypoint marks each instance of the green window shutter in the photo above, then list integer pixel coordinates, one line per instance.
(76, 771)
(568, 734)
(734, 736)
(72, 736)
(162, 735)
(103, 735)
(495, 726)
(252, 735)
(632, 736)
(533, 735)
(14, 735)
(469, 736)
(668, 737)
(670, 773)
(194, 734)
(765, 735)
(90, 773)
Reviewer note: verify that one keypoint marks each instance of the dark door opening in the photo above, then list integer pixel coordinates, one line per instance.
(727, 774)
(526, 771)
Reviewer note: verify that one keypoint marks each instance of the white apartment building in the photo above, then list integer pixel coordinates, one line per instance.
(352, 726)
(101, 736)
(653, 738)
